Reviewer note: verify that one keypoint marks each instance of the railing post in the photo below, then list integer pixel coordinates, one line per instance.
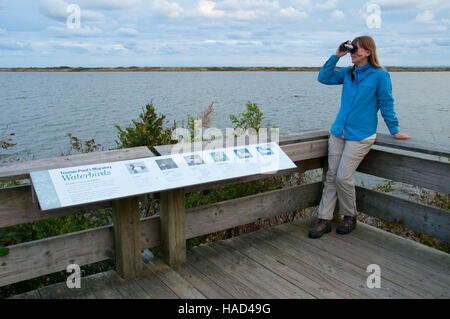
(127, 237)
(173, 233)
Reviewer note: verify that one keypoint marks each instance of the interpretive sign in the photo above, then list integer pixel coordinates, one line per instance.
(72, 186)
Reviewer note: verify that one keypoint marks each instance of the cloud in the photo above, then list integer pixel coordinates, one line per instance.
(2, 30)
(207, 9)
(411, 5)
(91, 47)
(425, 17)
(109, 4)
(15, 46)
(127, 32)
(337, 15)
(327, 5)
(292, 13)
(304, 5)
(82, 31)
(428, 18)
(438, 28)
(167, 9)
(239, 9)
(442, 42)
(57, 9)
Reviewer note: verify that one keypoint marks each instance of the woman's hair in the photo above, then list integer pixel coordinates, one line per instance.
(367, 43)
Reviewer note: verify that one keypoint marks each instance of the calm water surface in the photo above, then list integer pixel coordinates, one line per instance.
(41, 108)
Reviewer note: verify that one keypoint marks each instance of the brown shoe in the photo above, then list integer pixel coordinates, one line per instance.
(347, 225)
(323, 226)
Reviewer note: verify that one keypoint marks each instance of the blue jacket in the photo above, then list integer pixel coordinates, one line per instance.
(371, 90)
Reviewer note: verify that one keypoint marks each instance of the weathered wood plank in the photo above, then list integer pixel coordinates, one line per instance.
(294, 277)
(306, 150)
(154, 287)
(102, 285)
(423, 218)
(358, 256)
(223, 215)
(407, 169)
(21, 170)
(413, 145)
(398, 267)
(173, 229)
(42, 257)
(127, 237)
(201, 282)
(304, 135)
(341, 262)
(34, 294)
(386, 140)
(286, 257)
(326, 283)
(16, 207)
(61, 291)
(159, 290)
(97, 286)
(257, 272)
(241, 273)
(150, 232)
(127, 288)
(436, 261)
(182, 288)
(226, 281)
(336, 267)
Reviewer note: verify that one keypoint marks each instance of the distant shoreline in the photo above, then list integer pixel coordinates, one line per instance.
(205, 69)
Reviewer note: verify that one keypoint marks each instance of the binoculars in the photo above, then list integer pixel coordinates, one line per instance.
(348, 47)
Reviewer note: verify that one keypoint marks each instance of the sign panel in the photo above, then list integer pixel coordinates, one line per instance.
(72, 186)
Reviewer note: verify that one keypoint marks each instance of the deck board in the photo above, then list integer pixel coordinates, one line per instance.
(336, 267)
(393, 266)
(359, 257)
(297, 278)
(227, 281)
(280, 262)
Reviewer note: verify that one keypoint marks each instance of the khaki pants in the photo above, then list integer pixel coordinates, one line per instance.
(344, 157)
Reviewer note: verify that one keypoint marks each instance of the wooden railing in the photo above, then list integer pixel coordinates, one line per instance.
(129, 235)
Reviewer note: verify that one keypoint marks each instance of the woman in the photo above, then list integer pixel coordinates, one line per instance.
(366, 88)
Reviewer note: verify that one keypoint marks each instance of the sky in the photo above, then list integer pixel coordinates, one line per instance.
(112, 33)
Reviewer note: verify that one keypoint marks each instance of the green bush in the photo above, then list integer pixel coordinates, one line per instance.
(148, 131)
(252, 119)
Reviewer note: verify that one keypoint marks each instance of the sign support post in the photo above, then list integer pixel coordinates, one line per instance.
(173, 229)
(127, 237)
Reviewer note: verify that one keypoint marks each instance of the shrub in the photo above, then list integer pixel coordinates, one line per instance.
(252, 119)
(148, 131)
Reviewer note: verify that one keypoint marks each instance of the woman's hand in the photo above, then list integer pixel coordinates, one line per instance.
(340, 53)
(401, 136)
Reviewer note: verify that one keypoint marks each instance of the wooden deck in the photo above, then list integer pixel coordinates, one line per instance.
(281, 262)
